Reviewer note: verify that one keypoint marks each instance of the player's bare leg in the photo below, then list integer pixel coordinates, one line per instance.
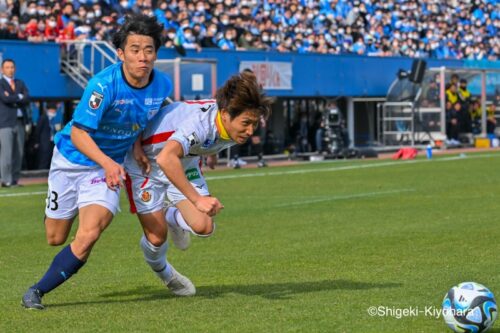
(94, 219)
(57, 230)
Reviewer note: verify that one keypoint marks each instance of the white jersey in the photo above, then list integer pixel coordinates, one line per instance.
(196, 125)
(191, 123)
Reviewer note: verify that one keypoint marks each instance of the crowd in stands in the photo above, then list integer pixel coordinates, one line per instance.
(453, 29)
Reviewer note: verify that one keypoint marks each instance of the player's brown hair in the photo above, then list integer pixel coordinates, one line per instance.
(243, 93)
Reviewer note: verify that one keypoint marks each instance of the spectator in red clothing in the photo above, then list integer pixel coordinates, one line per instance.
(51, 29)
(32, 32)
(67, 33)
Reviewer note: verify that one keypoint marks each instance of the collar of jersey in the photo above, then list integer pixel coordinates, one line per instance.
(220, 127)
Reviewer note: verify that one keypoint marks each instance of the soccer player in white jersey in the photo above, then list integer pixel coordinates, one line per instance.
(174, 142)
(86, 167)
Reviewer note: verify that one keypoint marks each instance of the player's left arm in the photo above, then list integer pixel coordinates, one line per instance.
(169, 160)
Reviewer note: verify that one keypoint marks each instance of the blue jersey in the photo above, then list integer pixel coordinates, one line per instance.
(113, 113)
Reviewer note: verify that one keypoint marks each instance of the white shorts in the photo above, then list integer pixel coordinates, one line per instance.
(73, 186)
(148, 194)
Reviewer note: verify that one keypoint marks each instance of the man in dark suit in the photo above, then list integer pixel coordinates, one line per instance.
(14, 101)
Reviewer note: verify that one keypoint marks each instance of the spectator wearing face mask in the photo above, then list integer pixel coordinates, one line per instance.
(227, 42)
(66, 14)
(169, 38)
(188, 40)
(82, 32)
(224, 22)
(41, 9)
(29, 13)
(246, 41)
(210, 38)
(51, 29)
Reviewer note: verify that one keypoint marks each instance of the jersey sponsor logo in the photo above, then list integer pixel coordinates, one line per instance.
(97, 180)
(124, 130)
(192, 174)
(193, 139)
(145, 196)
(153, 101)
(95, 100)
(124, 101)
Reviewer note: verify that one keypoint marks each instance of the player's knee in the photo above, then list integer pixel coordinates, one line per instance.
(157, 239)
(55, 240)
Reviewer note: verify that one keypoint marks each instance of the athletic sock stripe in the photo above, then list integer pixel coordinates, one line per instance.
(161, 270)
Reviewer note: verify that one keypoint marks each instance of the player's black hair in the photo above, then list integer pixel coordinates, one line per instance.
(243, 93)
(139, 24)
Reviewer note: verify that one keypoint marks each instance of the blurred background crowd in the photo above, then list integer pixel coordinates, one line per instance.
(453, 29)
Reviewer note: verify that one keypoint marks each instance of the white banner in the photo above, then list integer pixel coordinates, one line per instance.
(271, 74)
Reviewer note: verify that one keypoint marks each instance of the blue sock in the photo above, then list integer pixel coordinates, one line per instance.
(64, 265)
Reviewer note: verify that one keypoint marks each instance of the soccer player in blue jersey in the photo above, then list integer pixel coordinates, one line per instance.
(86, 171)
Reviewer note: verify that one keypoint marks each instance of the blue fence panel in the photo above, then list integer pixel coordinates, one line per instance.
(313, 74)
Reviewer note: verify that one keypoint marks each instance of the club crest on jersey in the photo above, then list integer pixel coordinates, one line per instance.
(145, 196)
(95, 100)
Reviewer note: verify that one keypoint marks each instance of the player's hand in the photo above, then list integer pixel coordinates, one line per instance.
(115, 174)
(211, 161)
(142, 160)
(209, 205)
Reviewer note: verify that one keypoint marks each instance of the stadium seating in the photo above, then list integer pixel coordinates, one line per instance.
(459, 29)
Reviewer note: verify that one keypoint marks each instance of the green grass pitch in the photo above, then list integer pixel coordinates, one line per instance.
(305, 248)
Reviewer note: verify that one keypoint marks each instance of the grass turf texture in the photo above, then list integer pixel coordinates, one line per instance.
(303, 248)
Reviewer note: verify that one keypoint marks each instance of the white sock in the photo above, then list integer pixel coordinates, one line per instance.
(156, 257)
(175, 219)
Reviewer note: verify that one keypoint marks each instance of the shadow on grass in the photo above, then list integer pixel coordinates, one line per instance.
(273, 291)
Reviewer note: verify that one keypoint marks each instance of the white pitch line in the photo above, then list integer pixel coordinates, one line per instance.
(348, 167)
(304, 171)
(22, 194)
(343, 197)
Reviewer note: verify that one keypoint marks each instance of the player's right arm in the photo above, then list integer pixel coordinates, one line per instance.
(86, 145)
(95, 101)
(169, 160)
